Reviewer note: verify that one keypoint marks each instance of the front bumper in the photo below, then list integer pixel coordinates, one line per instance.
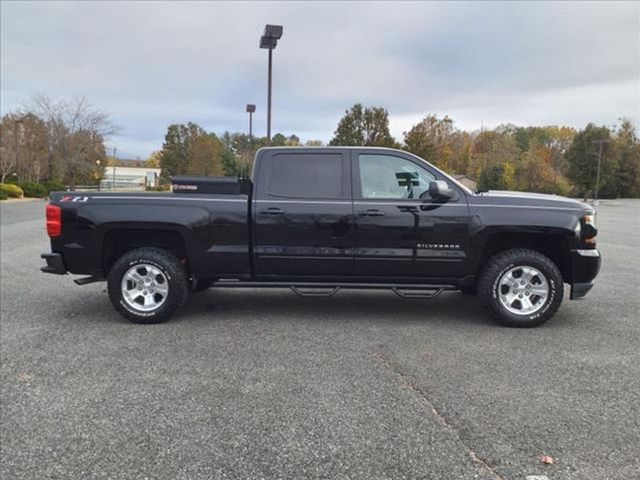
(55, 263)
(585, 265)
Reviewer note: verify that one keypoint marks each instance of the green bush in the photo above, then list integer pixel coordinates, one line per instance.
(12, 191)
(54, 186)
(3, 195)
(33, 189)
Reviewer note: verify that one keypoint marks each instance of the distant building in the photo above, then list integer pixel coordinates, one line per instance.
(130, 178)
(467, 181)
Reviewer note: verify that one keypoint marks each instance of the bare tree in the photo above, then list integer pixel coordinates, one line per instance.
(76, 131)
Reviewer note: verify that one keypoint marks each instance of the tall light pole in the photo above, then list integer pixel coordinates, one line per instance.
(15, 137)
(269, 40)
(600, 143)
(251, 108)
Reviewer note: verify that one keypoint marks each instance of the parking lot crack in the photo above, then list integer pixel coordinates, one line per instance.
(424, 398)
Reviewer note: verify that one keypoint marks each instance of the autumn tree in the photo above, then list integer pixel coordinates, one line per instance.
(431, 139)
(154, 160)
(206, 154)
(362, 126)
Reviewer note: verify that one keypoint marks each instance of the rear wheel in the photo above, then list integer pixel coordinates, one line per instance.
(521, 288)
(147, 285)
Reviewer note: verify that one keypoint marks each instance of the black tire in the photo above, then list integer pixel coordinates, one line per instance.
(170, 269)
(503, 262)
(200, 286)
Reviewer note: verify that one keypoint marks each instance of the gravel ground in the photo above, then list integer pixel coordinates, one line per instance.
(364, 385)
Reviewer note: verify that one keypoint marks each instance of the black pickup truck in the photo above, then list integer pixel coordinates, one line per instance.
(321, 219)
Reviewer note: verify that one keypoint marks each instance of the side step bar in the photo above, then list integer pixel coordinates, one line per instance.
(312, 289)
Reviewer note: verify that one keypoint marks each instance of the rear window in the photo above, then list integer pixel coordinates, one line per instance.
(311, 175)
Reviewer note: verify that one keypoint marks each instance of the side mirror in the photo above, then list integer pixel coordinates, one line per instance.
(439, 189)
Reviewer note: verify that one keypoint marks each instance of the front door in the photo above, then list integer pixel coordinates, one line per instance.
(304, 215)
(401, 232)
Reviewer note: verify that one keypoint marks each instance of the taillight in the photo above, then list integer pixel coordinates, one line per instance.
(589, 230)
(54, 221)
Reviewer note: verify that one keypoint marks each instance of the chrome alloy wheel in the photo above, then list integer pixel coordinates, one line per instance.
(523, 290)
(144, 287)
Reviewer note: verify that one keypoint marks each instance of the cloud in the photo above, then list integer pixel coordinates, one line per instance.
(152, 64)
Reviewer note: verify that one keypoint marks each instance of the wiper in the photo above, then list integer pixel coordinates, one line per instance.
(478, 191)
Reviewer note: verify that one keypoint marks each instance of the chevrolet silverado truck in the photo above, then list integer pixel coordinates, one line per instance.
(318, 220)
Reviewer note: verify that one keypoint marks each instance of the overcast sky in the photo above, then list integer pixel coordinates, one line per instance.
(152, 64)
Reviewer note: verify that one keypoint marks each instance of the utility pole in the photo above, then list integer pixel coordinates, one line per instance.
(15, 137)
(113, 182)
(600, 143)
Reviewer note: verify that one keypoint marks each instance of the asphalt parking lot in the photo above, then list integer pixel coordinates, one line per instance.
(364, 385)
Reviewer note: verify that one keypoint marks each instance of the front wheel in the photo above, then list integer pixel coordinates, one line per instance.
(521, 288)
(147, 285)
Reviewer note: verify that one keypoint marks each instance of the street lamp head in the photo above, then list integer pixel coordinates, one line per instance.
(251, 108)
(273, 31)
(270, 37)
(267, 42)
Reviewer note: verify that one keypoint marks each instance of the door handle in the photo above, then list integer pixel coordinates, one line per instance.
(272, 211)
(371, 212)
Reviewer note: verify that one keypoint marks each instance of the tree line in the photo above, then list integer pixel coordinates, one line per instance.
(62, 142)
(547, 159)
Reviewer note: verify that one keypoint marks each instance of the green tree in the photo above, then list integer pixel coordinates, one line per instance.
(495, 177)
(278, 140)
(582, 159)
(177, 149)
(362, 126)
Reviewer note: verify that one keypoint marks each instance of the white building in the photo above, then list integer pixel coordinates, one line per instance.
(130, 178)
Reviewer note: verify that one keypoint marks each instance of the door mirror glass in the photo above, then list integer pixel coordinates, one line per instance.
(439, 190)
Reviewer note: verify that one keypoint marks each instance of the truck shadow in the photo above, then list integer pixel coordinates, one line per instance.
(350, 305)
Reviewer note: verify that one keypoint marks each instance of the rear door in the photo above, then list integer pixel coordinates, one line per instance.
(303, 214)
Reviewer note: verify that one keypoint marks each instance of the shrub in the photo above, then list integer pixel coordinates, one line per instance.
(3, 195)
(159, 188)
(12, 191)
(33, 189)
(54, 186)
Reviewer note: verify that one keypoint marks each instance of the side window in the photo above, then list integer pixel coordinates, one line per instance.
(310, 175)
(388, 176)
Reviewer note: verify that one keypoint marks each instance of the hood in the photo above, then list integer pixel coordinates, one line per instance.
(534, 199)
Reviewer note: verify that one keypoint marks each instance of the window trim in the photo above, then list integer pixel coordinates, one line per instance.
(357, 179)
(345, 190)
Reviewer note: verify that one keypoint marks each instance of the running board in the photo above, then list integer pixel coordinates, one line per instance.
(325, 289)
(314, 291)
(415, 293)
(87, 280)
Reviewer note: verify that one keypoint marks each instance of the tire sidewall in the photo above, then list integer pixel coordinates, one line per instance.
(174, 297)
(550, 302)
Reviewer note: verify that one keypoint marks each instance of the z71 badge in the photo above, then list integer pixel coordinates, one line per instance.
(74, 198)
